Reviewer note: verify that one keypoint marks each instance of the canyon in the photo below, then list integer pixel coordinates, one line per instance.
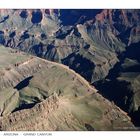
(101, 46)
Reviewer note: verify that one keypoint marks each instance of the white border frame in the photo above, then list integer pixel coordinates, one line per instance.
(72, 4)
(60, 4)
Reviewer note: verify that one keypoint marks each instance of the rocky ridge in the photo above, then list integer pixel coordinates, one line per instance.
(63, 100)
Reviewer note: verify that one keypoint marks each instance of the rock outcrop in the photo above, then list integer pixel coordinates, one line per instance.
(49, 96)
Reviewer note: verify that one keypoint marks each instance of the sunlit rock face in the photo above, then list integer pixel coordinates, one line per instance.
(37, 94)
(97, 37)
(63, 36)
